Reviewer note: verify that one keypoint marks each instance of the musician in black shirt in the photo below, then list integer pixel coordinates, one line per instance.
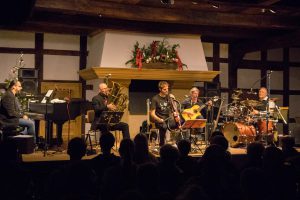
(100, 104)
(160, 110)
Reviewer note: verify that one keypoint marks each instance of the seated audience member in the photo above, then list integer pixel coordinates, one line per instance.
(141, 152)
(170, 175)
(76, 148)
(288, 147)
(107, 159)
(185, 162)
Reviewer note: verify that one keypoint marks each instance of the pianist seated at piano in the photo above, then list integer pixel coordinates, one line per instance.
(10, 109)
(100, 104)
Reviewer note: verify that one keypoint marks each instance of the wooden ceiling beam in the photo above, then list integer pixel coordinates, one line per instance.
(167, 14)
(92, 23)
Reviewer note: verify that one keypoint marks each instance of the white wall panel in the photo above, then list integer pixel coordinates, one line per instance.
(247, 78)
(61, 67)
(62, 42)
(208, 49)
(8, 61)
(252, 56)
(275, 55)
(294, 78)
(16, 39)
(295, 54)
(294, 108)
(224, 74)
(223, 50)
(276, 80)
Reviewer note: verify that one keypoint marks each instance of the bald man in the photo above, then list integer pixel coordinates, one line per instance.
(100, 104)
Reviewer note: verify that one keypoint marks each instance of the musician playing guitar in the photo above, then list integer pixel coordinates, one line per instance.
(193, 107)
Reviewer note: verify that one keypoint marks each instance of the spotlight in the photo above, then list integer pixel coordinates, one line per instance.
(167, 2)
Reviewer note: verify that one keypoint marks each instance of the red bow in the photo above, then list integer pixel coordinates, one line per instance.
(179, 63)
(138, 58)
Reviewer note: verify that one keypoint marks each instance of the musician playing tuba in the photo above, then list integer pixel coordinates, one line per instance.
(100, 104)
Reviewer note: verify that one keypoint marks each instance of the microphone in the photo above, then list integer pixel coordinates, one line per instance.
(251, 91)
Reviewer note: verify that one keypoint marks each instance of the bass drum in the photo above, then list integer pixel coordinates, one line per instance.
(238, 133)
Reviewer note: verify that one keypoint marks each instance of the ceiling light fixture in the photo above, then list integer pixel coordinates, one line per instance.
(194, 2)
(167, 2)
(216, 6)
(272, 11)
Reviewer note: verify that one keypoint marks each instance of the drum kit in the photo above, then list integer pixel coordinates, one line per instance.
(241, 126)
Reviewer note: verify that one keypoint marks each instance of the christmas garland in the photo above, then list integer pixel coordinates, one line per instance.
(156, 52)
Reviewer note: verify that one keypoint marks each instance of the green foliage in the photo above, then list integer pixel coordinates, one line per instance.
(157, 51)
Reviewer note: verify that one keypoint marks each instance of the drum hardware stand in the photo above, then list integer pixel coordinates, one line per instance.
(268, 107)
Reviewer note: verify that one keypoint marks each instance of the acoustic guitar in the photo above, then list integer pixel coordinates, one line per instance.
(195, 112)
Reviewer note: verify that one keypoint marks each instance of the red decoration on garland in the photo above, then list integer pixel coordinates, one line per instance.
(138, 58)
(179, 63)
(154, 48)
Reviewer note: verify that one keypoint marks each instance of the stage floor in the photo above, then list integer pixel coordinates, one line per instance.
(52, 155)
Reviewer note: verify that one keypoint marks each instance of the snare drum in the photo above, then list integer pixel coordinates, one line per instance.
(237, 133)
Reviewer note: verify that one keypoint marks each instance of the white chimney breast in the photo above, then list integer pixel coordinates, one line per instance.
(113, 49)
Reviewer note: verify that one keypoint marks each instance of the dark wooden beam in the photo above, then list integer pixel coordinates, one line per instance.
(167, 15)
(39, 58)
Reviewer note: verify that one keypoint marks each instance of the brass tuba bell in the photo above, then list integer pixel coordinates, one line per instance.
(117, 97)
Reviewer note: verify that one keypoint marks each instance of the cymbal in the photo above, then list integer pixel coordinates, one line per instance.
(233, 97)
(251, 103)
(238, 91)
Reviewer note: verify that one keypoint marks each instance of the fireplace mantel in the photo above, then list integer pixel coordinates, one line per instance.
(147, 74)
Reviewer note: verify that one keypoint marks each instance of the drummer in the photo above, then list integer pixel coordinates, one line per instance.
(263, 98)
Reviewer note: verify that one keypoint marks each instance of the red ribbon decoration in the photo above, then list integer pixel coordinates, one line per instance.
(179, 63)
(154, 48)
(138, 58)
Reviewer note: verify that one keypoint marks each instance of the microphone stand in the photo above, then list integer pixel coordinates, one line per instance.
(268, 75)
(46, 127)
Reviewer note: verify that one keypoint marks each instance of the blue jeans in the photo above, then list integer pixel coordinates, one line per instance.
(29, 124)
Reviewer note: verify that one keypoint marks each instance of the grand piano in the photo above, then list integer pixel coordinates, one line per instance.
(57, 113)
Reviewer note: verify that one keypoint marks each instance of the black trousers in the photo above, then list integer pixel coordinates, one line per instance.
(122, 126)
(162, 127)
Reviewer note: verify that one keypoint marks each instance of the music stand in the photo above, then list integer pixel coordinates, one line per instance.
(193, 124)
(110, 117)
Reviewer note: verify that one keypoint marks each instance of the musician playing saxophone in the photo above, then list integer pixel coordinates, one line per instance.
(193, 107)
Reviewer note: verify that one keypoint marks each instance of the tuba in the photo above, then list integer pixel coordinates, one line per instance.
(117, 97)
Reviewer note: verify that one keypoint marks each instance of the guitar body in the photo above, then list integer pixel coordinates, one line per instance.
(195, 112)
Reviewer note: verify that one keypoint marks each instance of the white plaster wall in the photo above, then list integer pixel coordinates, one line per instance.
(224, 75)
(95, 48)
(61, 67)
(61, 42)
(252, 56)
(246, 78)
(16, 39)
(275, 55)
(118, 46)
(294, 78)
(208, 49)
(8, 61)
(295, 54)
(223, 50)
